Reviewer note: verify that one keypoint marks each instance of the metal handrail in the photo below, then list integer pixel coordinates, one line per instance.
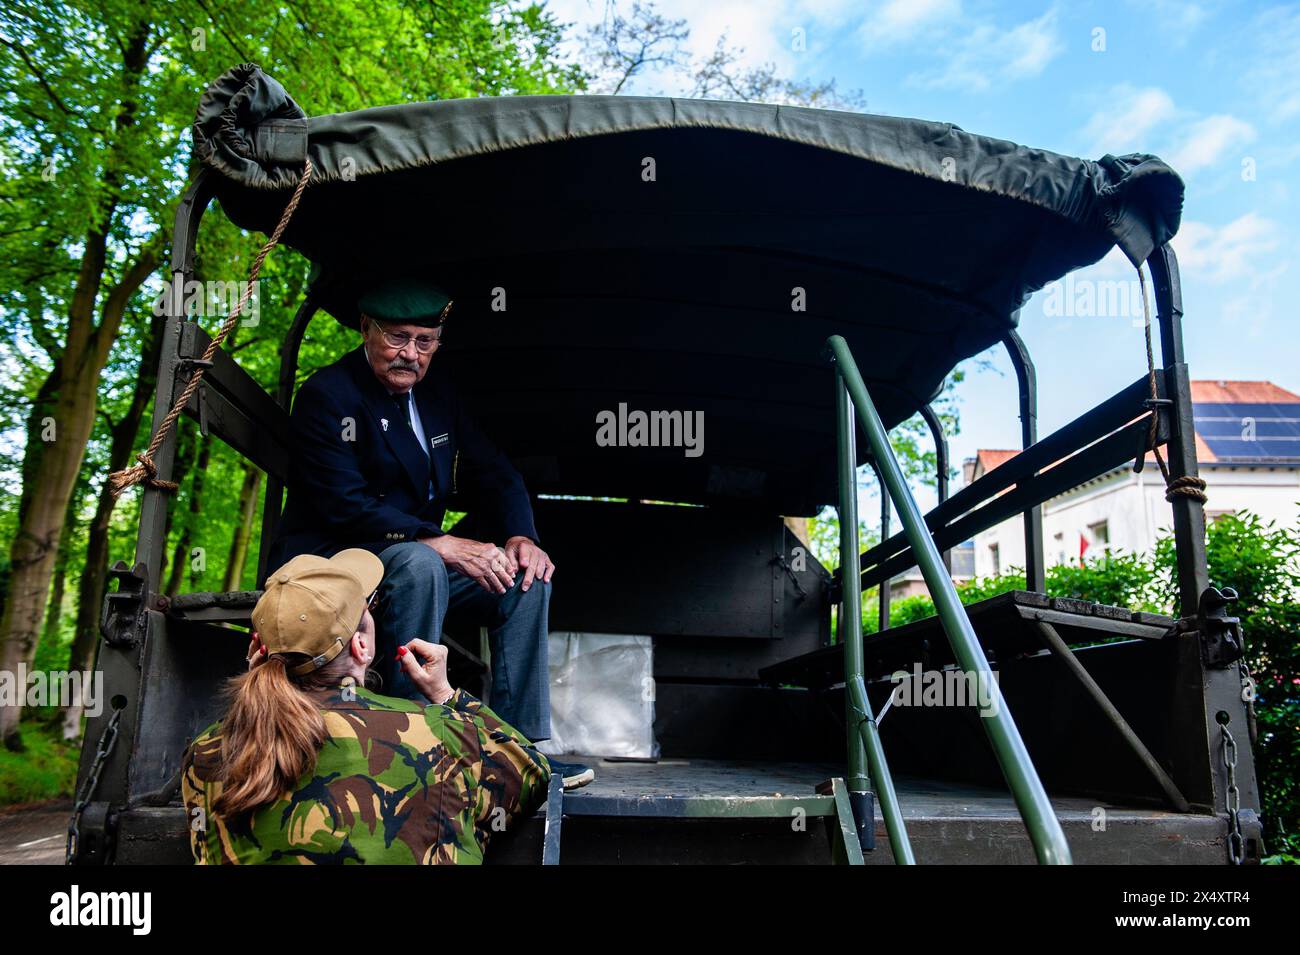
(1008, 747)
(867, 752)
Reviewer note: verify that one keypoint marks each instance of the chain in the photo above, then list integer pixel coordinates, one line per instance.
(1236, 845)
(87, 792)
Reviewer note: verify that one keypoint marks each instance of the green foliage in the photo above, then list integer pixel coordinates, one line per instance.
(1262, 563)
(94, 141)
(914, 446)
(1118, 579)
(47, 769)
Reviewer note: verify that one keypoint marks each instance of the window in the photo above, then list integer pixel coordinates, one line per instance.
(1099, 534)
(997, 560)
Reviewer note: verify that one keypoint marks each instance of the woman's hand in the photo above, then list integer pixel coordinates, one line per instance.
(256, 651)
(426, 664)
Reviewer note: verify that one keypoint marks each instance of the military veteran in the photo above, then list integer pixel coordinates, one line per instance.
(381, 444)
(309, 766)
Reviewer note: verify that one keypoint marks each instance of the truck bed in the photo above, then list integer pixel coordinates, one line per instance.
(659, 812)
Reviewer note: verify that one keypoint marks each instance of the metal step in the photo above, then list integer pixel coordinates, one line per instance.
(1006, 626)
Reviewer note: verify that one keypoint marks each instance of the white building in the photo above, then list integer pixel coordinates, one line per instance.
(1248, 448)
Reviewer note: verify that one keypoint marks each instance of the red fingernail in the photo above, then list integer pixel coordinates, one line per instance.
(264, 649)
(402, 651)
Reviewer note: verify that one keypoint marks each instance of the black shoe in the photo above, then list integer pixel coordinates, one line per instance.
(575, 775)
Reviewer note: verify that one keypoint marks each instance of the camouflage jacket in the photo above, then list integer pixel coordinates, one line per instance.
(395, 782)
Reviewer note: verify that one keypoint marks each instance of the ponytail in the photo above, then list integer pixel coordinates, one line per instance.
(270, 737)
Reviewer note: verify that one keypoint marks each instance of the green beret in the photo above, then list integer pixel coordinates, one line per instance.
(406, 302)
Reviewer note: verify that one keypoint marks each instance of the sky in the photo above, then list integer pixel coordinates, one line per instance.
(1211, 88)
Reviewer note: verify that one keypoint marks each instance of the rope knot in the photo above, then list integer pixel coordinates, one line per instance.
(1193, 487)
(1187, 486)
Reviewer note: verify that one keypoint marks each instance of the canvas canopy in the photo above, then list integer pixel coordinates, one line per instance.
(622, 253)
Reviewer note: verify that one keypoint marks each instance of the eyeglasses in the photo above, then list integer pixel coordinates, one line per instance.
(398, 340)
(371, 603)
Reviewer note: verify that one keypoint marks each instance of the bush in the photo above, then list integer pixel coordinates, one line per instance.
(1262, 563)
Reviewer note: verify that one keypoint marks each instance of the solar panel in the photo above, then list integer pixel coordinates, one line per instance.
(1256, 432)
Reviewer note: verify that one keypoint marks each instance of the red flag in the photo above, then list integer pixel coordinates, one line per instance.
(1083, 547)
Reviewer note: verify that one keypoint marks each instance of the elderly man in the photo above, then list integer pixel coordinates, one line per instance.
(381, 443)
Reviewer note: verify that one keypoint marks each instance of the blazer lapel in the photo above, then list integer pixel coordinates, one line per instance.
(401, 440)
(437, 428)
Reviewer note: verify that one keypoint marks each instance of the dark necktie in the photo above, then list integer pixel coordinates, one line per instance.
(403, 403)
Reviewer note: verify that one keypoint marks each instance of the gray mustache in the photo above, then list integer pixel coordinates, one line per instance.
(400, 365)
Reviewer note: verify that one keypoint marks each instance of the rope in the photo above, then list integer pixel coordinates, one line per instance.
(146, 471)
(1187, 486)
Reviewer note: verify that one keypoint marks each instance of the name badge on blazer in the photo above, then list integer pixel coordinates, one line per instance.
(440, 440)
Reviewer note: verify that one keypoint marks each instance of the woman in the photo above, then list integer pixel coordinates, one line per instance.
(310, 766)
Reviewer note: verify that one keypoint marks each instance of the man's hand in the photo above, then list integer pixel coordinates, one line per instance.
(426, 664)
(492, 568)
(531, 558)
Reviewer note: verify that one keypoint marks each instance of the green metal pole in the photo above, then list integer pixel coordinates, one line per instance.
(863, 735)
(1018, 769)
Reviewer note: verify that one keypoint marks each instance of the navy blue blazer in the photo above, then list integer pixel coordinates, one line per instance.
(355, 482)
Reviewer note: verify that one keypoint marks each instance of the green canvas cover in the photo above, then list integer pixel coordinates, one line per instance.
(678, 255)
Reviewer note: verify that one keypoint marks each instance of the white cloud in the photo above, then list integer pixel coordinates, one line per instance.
(1274, 76)
(1233, 252)
(985, 55)
(1125, 123)
(1177, 16)
(1206, 140)
(1146, 120)
(898, 21)
(1113, 265)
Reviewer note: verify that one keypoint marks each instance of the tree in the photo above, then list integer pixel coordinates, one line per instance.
(620, 48)
(98, 100)
(88, 132)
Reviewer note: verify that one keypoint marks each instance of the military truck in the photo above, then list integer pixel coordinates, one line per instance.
(807, 279)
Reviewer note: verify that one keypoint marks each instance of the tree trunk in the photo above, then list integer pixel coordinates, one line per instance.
(181, 556)
(95, 574)
(196, 510)
(58, 592)
(244, 529)
(57, 442)
(58, 430)
(181, 466)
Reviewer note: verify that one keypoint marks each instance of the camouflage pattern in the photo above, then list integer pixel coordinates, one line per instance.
(395, 782)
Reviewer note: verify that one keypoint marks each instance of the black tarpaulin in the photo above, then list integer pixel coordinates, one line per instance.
(679, 255)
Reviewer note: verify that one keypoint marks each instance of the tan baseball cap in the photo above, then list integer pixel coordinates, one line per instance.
(313, 604)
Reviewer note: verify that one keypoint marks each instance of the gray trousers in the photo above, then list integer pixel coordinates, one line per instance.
(414, 597)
